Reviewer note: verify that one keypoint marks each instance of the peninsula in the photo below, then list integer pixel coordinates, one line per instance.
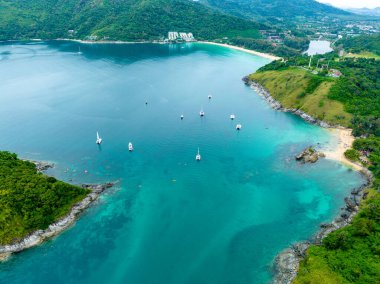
(35, 206)
(347, 104)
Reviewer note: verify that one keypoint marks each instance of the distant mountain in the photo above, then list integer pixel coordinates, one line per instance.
(365, 11)
(274, 8)
(116, 19)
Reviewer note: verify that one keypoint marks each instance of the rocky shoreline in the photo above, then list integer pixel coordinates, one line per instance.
(286, 264)
(260, 90)
(57, 227)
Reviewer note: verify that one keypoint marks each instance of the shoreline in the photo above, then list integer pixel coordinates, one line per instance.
(258, 53)
(254, 52)
(39, 236)
(250, 51)
(286, 263)
(345, 141)
(342, 134)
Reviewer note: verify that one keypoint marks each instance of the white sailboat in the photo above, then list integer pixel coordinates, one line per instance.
(202, 113)
(130, 147)
(198, 156)
(98, 139)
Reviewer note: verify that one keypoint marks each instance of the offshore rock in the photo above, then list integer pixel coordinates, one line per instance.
(309, 155)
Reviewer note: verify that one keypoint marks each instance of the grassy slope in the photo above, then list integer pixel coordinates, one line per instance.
(29, 200)
(288, 87)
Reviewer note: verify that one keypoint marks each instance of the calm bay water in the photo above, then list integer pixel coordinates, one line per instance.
(169, 219)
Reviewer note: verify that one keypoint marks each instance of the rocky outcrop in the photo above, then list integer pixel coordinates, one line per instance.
(39, 236)
(309, 155)
(260, 90)
(287, 262)
(41, 166)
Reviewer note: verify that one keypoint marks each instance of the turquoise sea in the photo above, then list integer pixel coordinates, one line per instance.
(170, 219)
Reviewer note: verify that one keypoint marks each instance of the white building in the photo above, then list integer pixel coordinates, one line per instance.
(173, 36)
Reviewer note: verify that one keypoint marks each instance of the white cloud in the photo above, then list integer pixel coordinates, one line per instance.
(352, 3)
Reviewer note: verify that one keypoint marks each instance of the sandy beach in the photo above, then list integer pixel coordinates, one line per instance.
(265, 55)
(345, 140)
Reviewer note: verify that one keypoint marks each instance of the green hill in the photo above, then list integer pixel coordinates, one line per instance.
(274, 8)
(30, 200)
(362, 45)
(131, 20)
(297, 88)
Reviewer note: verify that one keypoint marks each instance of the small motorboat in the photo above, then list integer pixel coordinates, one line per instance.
(98, 139)
(238, 126)
(182, 116)
(202, 113)
(232, 116)
(198, 156)
(209, 97)
(130, 147)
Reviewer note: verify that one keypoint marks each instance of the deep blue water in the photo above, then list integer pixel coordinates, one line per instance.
(170, 219)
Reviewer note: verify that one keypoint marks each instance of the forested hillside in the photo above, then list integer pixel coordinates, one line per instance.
(274, 8)
(363, 43)
(115, 19)
(30, 200)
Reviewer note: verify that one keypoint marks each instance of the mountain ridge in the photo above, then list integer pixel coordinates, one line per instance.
(254, 9)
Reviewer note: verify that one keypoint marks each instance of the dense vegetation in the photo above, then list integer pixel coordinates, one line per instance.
(29, 200)
(359, 44)
(348, 255)
(115, 19)
(290, 47)
(274, 8)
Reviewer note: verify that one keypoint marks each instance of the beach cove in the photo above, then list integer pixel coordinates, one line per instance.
(172, 220)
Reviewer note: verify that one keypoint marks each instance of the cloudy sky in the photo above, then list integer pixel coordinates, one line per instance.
(352, 3)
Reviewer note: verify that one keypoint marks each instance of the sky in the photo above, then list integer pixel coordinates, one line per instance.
(352, 3)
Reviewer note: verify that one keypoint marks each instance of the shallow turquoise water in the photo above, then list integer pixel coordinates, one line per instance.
(169, 219)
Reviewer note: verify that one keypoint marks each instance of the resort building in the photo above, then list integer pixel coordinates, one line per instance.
(175, 36)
